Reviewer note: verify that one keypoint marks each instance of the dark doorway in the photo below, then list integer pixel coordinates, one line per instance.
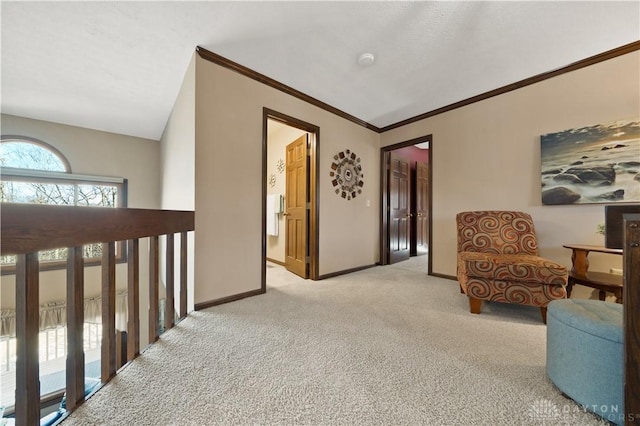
(406, 201)
(399, 208)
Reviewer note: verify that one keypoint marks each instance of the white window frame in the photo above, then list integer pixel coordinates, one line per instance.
(59, 177)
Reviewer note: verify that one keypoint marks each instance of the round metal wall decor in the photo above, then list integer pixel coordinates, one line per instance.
(280, 166)
(346, 174)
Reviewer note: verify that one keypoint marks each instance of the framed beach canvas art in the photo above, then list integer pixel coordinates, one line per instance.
(595, 164)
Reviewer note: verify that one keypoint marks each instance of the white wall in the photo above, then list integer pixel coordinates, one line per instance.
(487, 155)
(177, 162)
(94, 153)
(177, 152)
(229, 109)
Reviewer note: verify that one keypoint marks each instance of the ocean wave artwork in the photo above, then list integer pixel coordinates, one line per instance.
(595, 164)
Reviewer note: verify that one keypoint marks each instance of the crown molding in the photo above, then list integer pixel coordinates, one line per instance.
(234, 66)
(610, 54)
(247, 72)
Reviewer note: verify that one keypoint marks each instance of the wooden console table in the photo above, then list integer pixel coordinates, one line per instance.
(601, 281)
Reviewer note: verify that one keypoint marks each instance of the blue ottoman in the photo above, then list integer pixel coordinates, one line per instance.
(585, 354)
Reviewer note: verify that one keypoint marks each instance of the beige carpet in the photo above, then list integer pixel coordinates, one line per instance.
(384, 346)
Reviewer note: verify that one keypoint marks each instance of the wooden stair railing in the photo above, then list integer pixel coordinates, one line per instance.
(27, 229)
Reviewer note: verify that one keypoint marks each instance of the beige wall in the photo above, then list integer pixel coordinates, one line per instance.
(177, 163)
(487, 155)
(228, 192)
(94, 153)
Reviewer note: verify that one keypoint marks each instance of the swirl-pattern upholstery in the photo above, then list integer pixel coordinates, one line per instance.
(498, 260)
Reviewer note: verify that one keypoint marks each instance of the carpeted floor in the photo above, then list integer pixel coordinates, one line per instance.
(384, 346)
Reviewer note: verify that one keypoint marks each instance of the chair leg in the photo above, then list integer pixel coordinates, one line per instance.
(543, 312)
(475, 305)
(569, 287)
(461, 290)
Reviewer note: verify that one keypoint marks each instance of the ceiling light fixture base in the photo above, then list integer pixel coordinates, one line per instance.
(366, 59)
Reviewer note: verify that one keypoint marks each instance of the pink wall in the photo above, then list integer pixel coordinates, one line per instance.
(414, 154)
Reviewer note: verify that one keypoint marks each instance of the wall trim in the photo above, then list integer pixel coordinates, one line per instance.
(345, 271)
(277, 262)
(248, 72)
(445, 276)
(623, 50)
(203, 305)
(241, 69)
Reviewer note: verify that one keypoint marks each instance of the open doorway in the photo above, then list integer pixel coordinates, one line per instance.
(405, 222)
(290, 207)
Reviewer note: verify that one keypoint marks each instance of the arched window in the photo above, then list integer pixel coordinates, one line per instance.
(31, 154)
(34, 172)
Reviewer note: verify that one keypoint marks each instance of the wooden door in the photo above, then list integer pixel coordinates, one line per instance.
(399, 190)
(296, 215)
(422, 208)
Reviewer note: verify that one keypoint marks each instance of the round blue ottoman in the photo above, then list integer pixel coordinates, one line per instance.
(585, 354)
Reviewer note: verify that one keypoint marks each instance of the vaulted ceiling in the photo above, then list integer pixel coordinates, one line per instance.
(118, 66)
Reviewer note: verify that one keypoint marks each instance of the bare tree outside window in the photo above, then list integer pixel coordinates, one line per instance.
(55, 186)
(21, 154)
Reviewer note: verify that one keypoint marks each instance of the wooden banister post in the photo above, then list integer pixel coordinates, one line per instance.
(631, 297)
(169, 308)
(183, 274)
(133, 299)
(153, 288)
(27, 406)
(75, 327)
(108, 362)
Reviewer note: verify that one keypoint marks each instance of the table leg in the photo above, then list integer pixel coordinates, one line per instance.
(580, 262)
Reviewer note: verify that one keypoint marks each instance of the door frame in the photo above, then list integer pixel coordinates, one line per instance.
(384, 198)
(313, 222)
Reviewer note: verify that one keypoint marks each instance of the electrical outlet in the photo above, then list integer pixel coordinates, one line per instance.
(615, 271)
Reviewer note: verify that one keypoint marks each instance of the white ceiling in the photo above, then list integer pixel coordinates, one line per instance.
(118, 66)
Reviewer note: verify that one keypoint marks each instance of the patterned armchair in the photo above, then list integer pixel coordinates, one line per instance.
(498, 261)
